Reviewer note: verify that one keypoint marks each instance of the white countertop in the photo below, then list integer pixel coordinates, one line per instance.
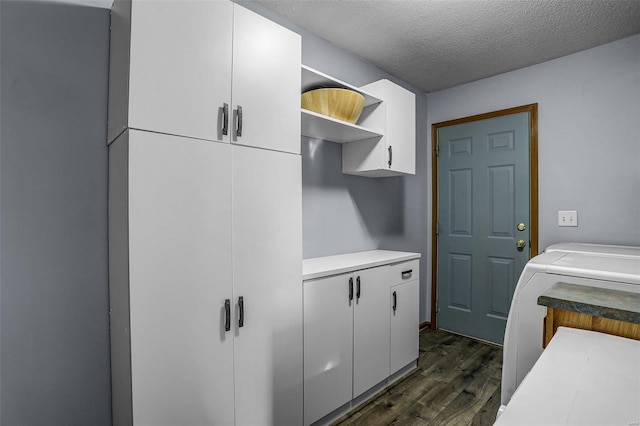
(319, 267)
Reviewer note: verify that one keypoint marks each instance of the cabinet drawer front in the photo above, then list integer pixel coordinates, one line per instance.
(405, 271)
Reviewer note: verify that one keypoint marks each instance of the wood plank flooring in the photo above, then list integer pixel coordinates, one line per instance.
(457, 383)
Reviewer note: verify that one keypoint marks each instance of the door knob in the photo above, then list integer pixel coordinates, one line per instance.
(520, 244)
(522, 227)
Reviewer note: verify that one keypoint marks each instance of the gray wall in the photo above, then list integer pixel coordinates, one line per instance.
(342, 213)
(588, 136)
(54, 328)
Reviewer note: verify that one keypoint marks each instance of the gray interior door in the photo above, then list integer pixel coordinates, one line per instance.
(483, 189)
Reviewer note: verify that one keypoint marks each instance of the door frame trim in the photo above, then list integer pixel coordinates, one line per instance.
(532, 109)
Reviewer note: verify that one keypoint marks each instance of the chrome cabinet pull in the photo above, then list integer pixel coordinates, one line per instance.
(390, 156)
(241, 308)
(395, 302)
(225, 119)
(358, 288)
(227, 315)
(239, 129)
(407, 274)
(351, 289)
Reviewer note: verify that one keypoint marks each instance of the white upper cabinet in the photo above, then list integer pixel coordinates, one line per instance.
(204, 69)
(170, 67)
(266, 83)
(394, 154)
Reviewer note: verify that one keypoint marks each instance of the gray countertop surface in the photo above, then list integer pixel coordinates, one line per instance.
(600, 302)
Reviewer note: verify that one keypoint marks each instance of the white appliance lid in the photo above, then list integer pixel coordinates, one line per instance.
(595, 248)
(598, 266)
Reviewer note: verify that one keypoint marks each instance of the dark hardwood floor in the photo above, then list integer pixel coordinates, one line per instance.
(457, 383)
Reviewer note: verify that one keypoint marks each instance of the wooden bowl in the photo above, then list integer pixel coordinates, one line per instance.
(341, 104)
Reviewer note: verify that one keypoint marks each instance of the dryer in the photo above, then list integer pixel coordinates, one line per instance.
(612, 267)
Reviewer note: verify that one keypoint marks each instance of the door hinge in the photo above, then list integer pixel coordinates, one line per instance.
(438, 150)
(437, 228)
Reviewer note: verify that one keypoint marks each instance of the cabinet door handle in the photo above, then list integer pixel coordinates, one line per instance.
(227, 315)
(390, 156)
(358, 288)
(407, 274)
(350, 289)
(225, 119)
(239, 129)
(395, 302)
(241, 309)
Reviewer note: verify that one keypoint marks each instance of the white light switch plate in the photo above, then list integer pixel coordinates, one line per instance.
(567, 218)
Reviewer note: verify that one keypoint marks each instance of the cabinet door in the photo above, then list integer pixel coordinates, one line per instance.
(267, 274)
(266, 83)
(370, 329)
(328, 345)
(180, 275)
(400, 133)
(404, 325)
(180, 66)
(393, 154)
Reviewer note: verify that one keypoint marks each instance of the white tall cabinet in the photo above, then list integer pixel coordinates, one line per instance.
(267, 256)
(204, 228)
(170, 274)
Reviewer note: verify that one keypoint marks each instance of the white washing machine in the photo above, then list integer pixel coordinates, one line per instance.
(612, 267)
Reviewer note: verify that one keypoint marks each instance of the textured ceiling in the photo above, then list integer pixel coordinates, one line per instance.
(436, 44)
(439, 44)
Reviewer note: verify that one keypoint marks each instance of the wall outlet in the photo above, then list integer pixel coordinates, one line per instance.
(567, 218)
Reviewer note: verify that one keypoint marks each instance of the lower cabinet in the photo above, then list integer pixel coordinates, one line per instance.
(404, 321)
(328, 345)
(370, 328)
(354, 339)
(346, 339)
